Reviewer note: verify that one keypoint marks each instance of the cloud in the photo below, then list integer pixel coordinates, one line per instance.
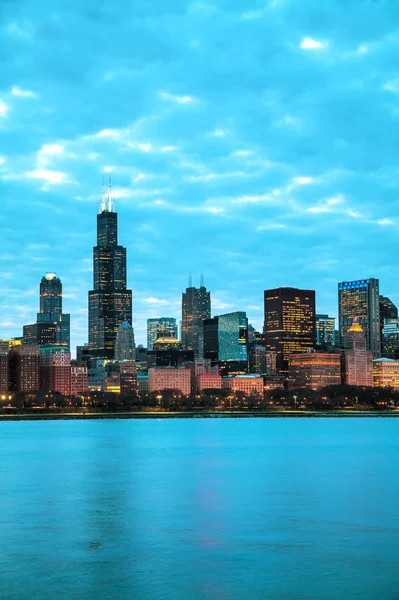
(22, 93)
(3, 109)
(155, 301)
(385, 222)
(309, 43)
(47, 176)
(176, 99)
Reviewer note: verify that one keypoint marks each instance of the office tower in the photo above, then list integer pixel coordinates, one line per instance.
(55, 369)
(24, 368)
(110, 302)
(390, 339)
(360, 299)
(358, 359)
(325, 331)
(168, 352)
(290, 323)
(79, 380)
(211, 339)
(124, 344)
(128, 378)
(196, 307)
(141, 358)
(159, 325)
(233, 342)
(315, 370)
(169, 378)
(83, 355)
(386, 373)
(52, 325)
(4, 345)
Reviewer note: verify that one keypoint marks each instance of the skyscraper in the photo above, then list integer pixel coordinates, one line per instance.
(211, 340)
(124, 344)
(360, 299)
(110, 302)
(24, 368)
(4, 345)
(52, 325)
(233, 342)
(290, 323)
(55, 369)
(196, 307)
(325, 331)
(358, 359)
(160, 325)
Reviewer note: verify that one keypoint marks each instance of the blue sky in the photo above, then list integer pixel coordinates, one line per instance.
(256, 142)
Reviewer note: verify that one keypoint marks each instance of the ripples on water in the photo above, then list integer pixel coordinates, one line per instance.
(216, 509)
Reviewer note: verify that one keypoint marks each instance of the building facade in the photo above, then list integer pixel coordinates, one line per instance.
(290, 323)
(196, 307)
(244, 383)
(169, 379)
(386, 373)
(55, 370)
(128, 378)
(124, 343)
(211, 339)
(233, 342)
(24, 368)
(4, 345)
(358, 360)
(160, 325)
(110, 302)
(315, 370)
(79, 380)
(325, 331)
(360, 299)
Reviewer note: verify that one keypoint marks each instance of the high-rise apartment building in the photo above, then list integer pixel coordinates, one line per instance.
(55, 369)
(196, 307)
(290, 323)
(110, 302)
(386, 373)
(360, 299)
(79, 379)
(124, 345)
(160, 325)
(211, 339)
(325, 331)
(52, 325)
(128, 378)
(4, 346)
(24, 368)
(357, 358)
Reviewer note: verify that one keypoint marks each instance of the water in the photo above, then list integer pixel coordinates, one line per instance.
(226, 509)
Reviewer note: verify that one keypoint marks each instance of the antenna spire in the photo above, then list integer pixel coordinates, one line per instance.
(103, 205)
(190, 281)
(202, 280)
(110, 203)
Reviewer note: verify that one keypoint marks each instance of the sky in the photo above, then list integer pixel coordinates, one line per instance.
(253, 141)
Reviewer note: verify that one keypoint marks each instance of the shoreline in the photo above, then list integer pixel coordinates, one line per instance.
(196, 415)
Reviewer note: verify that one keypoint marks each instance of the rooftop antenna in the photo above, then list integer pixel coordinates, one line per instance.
(110, 203)
(103, 206)
(190, 281)
(202, 280)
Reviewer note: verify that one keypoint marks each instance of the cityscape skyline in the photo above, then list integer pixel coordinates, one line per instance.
(258, 323)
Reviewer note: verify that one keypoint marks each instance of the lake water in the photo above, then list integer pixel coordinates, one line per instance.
(216, 509)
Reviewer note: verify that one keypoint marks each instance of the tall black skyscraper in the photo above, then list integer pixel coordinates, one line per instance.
(52, 325)
(196, 307)
(110, 303)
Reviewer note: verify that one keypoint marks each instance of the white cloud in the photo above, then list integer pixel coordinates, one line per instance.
(176, 99)
(21, 93)
(302, 180)
(271, 226)
(218, 132)
(155, 301)
(385, 222)
(392, 86)
(3, 109)
(309, 43)
(243, 153)
(2, 160)
(329, 203)
(50, 177)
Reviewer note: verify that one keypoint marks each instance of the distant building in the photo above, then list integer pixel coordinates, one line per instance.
(55, 369)
(169, 379)
(4, 345)
(160, 325)
(167, 352)
(79, 380)
(96, 376)
(204, 375)
(24, 368)
(315, 370)
(390, 339)
(52, 325)
(325, 331)
(124, 343)
(207, 381)
(386, 373)
(262, 361)
(110, 302)
(128, 378)
(290, 323)
(233, 342)
(357, 359)
(211, 339)
(244, 383)
(142, 384)
(196, 307)
(360, 299)
(141, 358)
